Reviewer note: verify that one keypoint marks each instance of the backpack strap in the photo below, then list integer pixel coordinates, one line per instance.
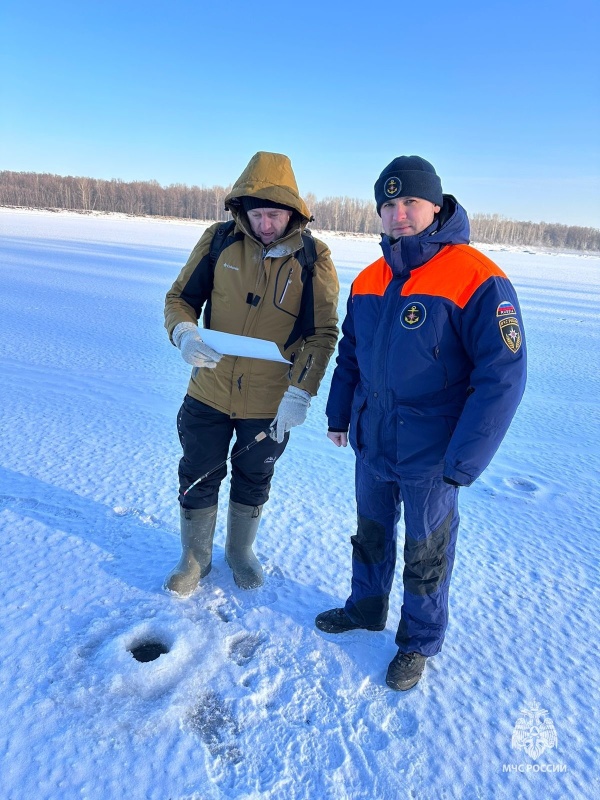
(222, 239)
(308, 255)
(305, 322)
(220, 242)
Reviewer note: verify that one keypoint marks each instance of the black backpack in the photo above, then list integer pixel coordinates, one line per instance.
(304, 325)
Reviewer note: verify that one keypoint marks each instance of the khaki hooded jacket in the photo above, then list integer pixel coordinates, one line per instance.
(256, 291)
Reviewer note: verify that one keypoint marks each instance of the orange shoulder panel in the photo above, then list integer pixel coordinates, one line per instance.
(456, 273)
(374, 279)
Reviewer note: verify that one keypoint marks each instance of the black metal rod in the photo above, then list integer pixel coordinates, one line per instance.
(258, 438)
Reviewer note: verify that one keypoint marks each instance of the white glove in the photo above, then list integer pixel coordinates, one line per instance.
(291, 412)
(193, 350)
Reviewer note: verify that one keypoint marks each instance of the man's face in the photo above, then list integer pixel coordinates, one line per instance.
(269, 224)
(407, 216)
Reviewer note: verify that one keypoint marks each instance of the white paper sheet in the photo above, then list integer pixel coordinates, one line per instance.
(230, 344)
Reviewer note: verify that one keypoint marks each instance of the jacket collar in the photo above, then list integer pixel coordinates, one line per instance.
(410, 252)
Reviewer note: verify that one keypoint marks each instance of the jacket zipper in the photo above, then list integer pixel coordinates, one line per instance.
(396, 300)
(285, 288)
(436, 355)
(307, 366)
(261, 277)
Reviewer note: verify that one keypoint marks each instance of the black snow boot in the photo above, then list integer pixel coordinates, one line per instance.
(337, 621)
(405, 670)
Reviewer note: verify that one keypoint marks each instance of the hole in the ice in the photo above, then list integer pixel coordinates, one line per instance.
(148, 651)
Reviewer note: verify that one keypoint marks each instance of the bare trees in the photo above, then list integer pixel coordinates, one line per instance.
(345, 214)
(176, 200)
(494, 229)
(199, 202)
(88, 194)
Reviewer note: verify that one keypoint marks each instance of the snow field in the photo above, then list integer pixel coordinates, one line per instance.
(251, 701)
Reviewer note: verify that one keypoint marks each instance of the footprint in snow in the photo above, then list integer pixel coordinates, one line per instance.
(215, 725)
(243, 647)
(371, 691)
(255, 598)
(311, 704)
(223, 613)
(223, 610)
(370, 736)
(402, 725)
(522, 485)
(397, 722)
(145, 519)
(274, 576)
(252, 680)
(46, 510)
(222, 606)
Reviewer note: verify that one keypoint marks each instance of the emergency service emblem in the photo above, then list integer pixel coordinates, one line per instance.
(392, 186)
(511, 333)
(534, 731)
(413, 316)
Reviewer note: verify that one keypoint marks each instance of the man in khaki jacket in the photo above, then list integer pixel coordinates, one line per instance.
(258, 288)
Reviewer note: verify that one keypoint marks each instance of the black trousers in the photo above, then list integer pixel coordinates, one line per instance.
(205, 435)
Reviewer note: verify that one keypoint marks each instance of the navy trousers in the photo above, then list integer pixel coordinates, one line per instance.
(205, 435)
(431, 526)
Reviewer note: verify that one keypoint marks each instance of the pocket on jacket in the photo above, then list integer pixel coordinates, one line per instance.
(422, 441)
(288, 289)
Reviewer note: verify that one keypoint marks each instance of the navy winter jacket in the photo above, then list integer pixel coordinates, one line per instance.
(432, 363)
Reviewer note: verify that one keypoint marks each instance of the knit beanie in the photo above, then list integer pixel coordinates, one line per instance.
(408, 176)
(249, 202)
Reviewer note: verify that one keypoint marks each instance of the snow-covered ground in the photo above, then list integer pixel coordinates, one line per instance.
(251, 701)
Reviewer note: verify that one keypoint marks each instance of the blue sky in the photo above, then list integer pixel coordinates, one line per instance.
(503, 98)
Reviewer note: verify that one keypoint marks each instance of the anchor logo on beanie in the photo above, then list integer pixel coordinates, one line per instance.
(392, 187)
(408, 176)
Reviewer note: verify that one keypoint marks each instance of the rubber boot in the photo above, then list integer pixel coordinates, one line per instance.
(197, 531)
(242, 525)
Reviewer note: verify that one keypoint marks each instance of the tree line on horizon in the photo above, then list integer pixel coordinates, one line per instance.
(344, 214)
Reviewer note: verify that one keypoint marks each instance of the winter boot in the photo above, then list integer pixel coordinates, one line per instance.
(405, 670)
(242, 525)
(197, 531)
(337, 621)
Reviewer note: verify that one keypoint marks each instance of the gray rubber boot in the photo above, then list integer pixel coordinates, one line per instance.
(242, 525)
(197, 531)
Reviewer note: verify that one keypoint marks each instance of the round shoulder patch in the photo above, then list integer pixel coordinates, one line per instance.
(413, 316)
(391, 188)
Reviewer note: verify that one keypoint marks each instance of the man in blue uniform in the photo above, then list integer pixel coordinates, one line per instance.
(430, 371)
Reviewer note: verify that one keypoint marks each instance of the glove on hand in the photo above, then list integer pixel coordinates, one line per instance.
(193, 350)
(291, 412)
